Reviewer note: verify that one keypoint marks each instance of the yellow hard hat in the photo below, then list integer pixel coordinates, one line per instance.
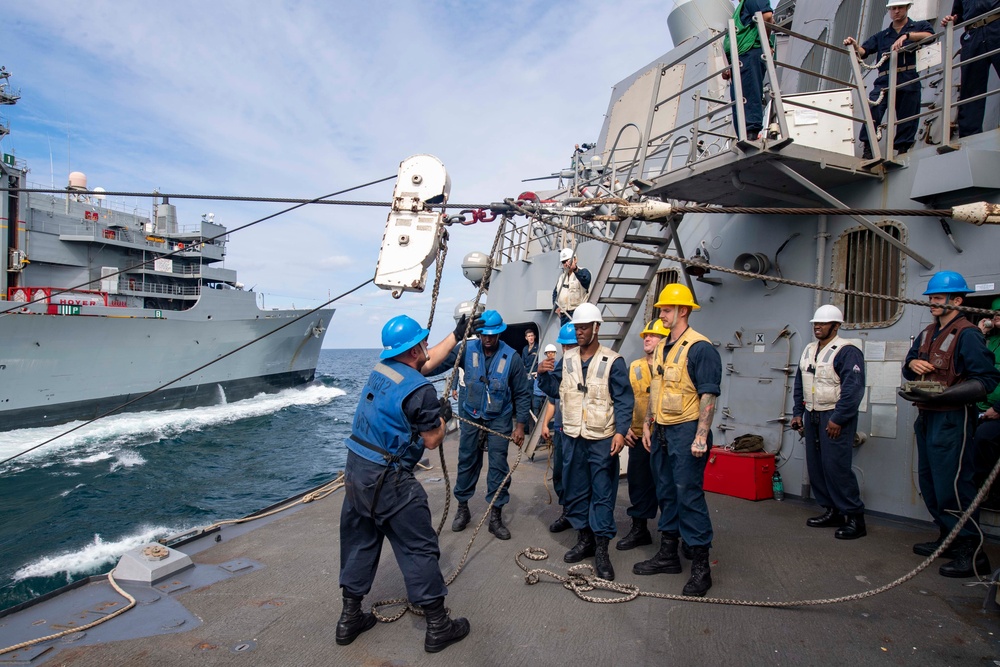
(655, 327)
(676, 294)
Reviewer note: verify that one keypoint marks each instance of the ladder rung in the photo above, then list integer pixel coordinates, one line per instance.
(639, 260)
(620, 300)
(617, 319)
(615, 280)
(637, 239)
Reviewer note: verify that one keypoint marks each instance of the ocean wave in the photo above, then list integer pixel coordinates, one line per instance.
(99, 440)
(91, 558)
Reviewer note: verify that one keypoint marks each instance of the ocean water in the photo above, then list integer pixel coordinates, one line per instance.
(72, 508)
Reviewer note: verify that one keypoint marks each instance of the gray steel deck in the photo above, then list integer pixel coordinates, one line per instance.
(284, 613)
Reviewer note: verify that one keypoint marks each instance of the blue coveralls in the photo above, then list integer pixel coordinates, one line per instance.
(396, 405)
(975, 42)
(679, 475)
(945, 437)
(752, 70)
(557, 453)
(511, 398)
(590, 473)
(908, 96)
(829, 460)
(639, 474)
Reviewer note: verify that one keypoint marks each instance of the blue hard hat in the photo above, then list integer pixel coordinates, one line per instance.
(947, 282)
(493, 324)
(400, 334)
(567, 335)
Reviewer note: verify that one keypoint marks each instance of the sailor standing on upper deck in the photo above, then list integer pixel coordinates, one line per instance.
(591, 382)
(572, 287)
(902, 31)
(980, 37)
(829, 386)
(752, 66)
(952, 352)
(398, 416)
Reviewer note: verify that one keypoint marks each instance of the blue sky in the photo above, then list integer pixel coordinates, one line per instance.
(301, 99)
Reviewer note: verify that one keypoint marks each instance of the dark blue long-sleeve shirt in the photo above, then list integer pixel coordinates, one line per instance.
(517, 380)
(618, 383)
(973, 360)
(849, 363)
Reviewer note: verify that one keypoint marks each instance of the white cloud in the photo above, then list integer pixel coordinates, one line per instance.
(305, 99)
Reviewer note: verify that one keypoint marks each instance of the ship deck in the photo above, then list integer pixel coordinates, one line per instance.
(283, 609)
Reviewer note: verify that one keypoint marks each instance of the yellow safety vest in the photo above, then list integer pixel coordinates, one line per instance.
(672, 392)
(639, 375)
(587, 408)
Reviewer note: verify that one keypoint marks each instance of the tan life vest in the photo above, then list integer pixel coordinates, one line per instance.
(587, 408)
(821, 386)
(672, 392)
(639, 374)
(569, 292)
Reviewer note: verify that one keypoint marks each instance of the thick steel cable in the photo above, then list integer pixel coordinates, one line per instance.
(178, 379)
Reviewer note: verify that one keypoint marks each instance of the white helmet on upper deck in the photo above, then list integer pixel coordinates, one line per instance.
(565, 253)
(898, 3)
(828, 313)
(586, 313)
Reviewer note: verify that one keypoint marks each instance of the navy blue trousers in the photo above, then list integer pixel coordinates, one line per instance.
(907, 104)
(946, 451)
(470, 460)
(641, 486)
(680, 482)
(590, 484)
(557, 465)
(976, 75)
(752, 69)
(402, 515)
(829, 463)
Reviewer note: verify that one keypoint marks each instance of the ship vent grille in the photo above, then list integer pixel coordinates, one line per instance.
(865, 262)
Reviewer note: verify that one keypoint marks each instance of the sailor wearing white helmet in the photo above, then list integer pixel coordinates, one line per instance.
(591, 382)
(829, 386)
(572, 287)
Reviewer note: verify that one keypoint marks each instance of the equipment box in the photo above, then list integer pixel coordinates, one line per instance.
(742, 475)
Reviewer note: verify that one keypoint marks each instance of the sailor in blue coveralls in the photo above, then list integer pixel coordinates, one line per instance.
(902, 31)
(752, 65)
(980, 37)
(596, 399)
(567, 339)
(496, 394)
(686, 381)
(829, 386)
(952, 352)
(398, 416)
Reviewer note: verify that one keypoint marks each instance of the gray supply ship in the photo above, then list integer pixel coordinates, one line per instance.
(101, 304)
(669, 137)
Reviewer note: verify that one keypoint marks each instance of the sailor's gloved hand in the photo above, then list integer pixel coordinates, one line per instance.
(963, 393)
(446, 411)
(460, 326)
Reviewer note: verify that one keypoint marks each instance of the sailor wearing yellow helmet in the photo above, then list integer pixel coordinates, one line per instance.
(677, 433)
(641, 488)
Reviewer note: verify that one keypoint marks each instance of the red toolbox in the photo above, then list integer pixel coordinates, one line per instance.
(742, 475)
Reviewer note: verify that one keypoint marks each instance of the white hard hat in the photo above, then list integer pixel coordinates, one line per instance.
(565, 253)
(898, 3)
(828, 313)
(586, 313)
(550, 348)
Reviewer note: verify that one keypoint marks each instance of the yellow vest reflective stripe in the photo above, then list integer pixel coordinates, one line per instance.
(639, 375)
(672, 392)
(587, 408)
(821, 387)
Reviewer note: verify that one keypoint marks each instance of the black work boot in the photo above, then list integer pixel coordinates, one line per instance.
(496, 524)
(831, 517)
(637, 537)
(602, 561)
(462, 517)
(353, 621)
(560, 524)
(686, 550)
(970, 560)
(585, 547)
(925, 549)
(701, 574)
(665, 561)
(853, 529)
(442, 631)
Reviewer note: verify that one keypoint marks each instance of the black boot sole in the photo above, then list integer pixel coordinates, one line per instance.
(668, 569)
(700, 593)
(982, 564)
(925, 549)
(853, 535)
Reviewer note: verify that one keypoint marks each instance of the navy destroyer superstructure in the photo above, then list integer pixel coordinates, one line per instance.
(102, 303)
